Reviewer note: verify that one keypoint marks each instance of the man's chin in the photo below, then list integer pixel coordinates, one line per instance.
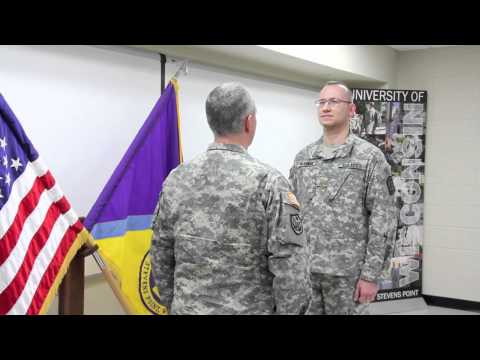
(329, 124)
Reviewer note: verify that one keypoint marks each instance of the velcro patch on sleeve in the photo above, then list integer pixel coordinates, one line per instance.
(390, 185)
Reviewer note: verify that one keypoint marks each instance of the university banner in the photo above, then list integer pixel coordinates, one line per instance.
(395, 121)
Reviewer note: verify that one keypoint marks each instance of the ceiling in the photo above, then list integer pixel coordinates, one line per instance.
(416, 47)
(259, 61)
(256, 60)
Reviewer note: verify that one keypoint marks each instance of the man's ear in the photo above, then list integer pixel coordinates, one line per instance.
(353, 109)
(248, 127)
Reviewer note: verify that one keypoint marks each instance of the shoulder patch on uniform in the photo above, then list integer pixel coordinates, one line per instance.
(296, 223)
(390, 185)
(292, 200)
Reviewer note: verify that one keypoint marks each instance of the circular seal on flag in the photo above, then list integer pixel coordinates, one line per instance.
(148, 291)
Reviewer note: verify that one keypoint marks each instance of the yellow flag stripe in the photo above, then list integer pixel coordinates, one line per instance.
(127, 258)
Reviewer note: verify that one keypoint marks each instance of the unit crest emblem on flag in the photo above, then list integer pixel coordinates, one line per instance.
(148, 291)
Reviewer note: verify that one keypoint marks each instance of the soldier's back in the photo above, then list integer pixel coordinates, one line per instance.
(220, 232)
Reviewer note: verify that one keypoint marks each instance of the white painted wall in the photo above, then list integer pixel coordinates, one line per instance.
(81, 107)
(452, 197)
(286, 116)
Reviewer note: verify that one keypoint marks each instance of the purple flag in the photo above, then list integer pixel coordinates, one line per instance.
(128, 200)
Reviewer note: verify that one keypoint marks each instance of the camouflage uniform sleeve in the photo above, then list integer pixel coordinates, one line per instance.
(288, 258)
(379, 201)
(161, 251)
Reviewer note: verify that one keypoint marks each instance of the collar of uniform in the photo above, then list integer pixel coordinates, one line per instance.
(324, 152)
(227, 147)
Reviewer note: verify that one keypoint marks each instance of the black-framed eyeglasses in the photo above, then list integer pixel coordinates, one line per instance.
(333, 102)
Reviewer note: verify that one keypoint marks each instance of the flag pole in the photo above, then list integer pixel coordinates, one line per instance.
(107, 273)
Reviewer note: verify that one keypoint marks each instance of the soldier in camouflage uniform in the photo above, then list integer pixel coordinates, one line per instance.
(345, 188)
(228, 238)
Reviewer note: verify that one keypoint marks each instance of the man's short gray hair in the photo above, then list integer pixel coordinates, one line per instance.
(227, 106)
(342, 84)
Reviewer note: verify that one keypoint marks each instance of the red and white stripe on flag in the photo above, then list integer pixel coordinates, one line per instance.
(39, 235)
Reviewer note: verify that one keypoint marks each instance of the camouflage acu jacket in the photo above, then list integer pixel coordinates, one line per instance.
(346, 194)
(228, 238)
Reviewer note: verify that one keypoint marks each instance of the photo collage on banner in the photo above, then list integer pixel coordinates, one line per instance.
(395, 122)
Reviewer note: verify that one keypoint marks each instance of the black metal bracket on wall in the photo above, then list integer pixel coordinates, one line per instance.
(163, 60)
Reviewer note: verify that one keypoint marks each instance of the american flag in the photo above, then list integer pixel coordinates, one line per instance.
(39, 231)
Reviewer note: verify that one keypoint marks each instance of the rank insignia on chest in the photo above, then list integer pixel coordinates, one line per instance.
(296, 223)
(322, 183)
